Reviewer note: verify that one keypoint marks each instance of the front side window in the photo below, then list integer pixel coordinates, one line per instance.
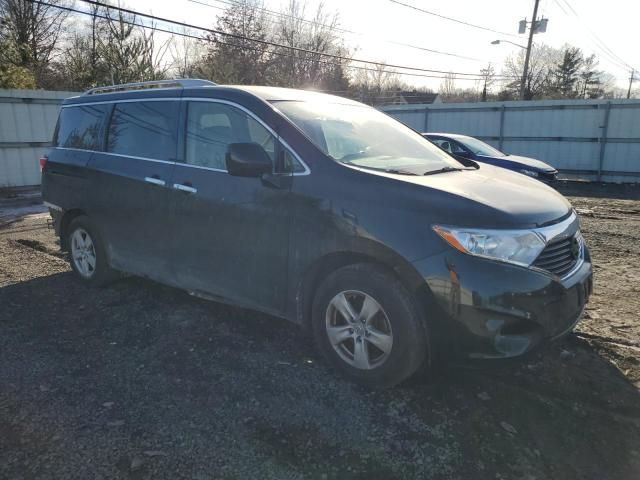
(144, 129)
(212, 126)
(291, 163)
(362, 136)
(80, 127)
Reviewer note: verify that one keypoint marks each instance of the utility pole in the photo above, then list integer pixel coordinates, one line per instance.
(525, 71)
(630, 83)
(486, 74)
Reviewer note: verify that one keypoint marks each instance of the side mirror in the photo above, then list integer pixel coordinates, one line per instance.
(247, 160)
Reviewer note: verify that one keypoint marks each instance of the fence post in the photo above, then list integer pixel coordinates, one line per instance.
(501, 141)
(603, 139)
(426, 119)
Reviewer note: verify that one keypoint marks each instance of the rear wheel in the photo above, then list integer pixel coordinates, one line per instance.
(87, 256)
(367, 326)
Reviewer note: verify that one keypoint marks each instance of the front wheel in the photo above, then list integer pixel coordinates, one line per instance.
(87, 256)
(368, 327)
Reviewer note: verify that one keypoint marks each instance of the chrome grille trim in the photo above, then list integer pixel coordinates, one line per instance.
(557, 257)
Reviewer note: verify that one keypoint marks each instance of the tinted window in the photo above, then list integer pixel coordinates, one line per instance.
(211, 127)
(144, 129)
(291, 163)
(79, 127)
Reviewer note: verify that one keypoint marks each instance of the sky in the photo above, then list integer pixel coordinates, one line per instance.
(594, 26)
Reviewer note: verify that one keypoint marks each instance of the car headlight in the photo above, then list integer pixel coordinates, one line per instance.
(521, 247)
(529, 173)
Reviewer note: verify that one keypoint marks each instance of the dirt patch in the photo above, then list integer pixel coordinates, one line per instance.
(141, 381)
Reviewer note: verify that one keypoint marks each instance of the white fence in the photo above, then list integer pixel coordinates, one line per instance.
(27, 121)
(589, 139)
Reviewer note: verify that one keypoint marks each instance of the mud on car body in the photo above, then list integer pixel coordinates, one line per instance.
(319, 210)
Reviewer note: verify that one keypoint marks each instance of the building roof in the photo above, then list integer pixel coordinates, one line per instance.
(414, 97)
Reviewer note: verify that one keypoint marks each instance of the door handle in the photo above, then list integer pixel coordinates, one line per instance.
(184, 188)
(155, 181)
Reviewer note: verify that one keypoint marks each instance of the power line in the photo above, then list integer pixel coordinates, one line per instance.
(451, 19)
(338, 29)
(197, 37)
(597, 42)
(606, 48)
(270, 43)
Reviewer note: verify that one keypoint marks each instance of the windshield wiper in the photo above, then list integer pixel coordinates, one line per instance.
(445, 169)
(397, 171)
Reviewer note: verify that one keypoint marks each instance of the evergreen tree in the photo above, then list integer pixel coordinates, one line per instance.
(234, 59)
(591, 84)
(567, 73)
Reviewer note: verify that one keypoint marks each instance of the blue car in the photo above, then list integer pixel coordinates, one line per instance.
(474, 149)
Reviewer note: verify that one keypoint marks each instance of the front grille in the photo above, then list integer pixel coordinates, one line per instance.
(561, 256)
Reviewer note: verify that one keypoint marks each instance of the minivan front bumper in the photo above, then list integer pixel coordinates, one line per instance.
(493, 309)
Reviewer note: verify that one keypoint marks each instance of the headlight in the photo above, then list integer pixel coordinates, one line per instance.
(521, 247)
(530, 173)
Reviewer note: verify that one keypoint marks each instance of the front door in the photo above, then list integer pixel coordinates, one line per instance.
(230, 234)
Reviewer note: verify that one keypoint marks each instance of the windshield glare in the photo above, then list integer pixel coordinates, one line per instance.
(364, 137)
(479, 147)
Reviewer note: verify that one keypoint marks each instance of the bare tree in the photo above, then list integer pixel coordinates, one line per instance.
(186, 53)
(312, 59)
(377, 78)
(376, 85)
(488, 79)
(76, 69)
(448, 86)
(540, 75)
(33, 30)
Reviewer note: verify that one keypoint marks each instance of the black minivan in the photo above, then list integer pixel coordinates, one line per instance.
(320, 210)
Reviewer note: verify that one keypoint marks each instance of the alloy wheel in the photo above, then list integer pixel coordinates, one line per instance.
(358, 329)
(83, 253)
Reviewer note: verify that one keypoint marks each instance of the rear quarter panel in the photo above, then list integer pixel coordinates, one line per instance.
(65, 178)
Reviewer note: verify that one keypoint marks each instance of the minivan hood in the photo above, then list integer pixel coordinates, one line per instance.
(489, 196)
(524, 161)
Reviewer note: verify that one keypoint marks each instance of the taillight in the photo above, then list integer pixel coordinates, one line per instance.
(43, 162)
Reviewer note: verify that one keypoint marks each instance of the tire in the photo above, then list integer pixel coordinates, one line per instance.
(393, 339)
(86, 253)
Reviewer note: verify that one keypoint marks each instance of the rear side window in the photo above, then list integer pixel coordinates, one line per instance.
(211, 127)
(144, 129)
(80, 127)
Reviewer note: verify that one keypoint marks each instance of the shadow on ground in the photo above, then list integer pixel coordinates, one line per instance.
(142, 381)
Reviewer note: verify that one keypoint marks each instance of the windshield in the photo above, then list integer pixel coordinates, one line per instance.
(364, 137)
(479, 147)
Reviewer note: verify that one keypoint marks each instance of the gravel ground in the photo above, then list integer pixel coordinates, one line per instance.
(141, 381)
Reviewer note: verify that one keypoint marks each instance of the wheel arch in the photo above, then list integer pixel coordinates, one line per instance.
(65, 221)
(385, 259)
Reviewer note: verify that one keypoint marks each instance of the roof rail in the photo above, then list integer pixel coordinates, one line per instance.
(175, 83)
